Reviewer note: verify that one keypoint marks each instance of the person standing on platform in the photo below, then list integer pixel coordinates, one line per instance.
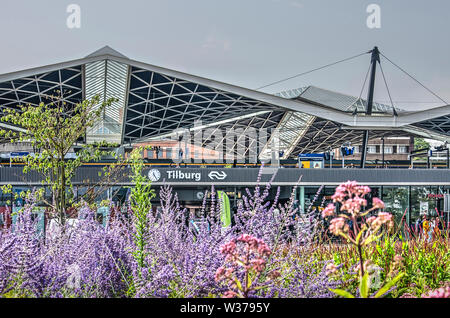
(436, 229)
(418, 225)
(426, 228)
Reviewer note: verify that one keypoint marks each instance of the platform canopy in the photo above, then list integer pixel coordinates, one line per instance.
(155, 102)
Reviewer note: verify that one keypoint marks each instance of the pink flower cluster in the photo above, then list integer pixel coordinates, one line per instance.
(248, 253)
(443, 292)
(228, 248)
(223, 273)
(351, 197)
(251, 256)
(375, 222)
(338, 225)
(229, 294)
(252, 244)
(255, 244)
(331, 269)
(328, 211)
(348, 189)
(377, 203)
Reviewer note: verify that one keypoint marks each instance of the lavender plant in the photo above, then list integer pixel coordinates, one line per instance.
(184, 262)
(82, 260)
(158, 254)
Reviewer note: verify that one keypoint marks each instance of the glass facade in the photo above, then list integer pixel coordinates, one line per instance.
(396, 200)
(427, 200)
(407, 202)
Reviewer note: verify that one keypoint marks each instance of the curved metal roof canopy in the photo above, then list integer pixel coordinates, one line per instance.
(153, 102)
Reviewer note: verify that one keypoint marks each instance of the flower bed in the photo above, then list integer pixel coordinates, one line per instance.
(263, 254)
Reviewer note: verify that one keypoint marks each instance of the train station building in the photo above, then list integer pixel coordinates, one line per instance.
(205, 132)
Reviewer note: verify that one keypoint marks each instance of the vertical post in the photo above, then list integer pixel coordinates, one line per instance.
(331, 159)
(374, 59)
(302, 199)
(185, 148)
(364, 148)
(448, 158)
(382, 139)
(408, 215)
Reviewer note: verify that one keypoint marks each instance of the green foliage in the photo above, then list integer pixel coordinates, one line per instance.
(140, 199)
(342, 293)
(426, 265)
(53, 129)
(17, 289)
(420, 143)
(384, 255)
(105, 144)
(37, 193)
(383, 290)
(364, 286)
(423, 265)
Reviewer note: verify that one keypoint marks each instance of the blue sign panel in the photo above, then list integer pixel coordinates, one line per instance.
(19, 154)
(103, 215)
(38, 216)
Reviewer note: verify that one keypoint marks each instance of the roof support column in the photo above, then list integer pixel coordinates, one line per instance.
(375, 58)
(364, 148)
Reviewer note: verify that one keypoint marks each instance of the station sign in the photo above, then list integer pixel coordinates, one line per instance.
(311, 161)
(156, 175)
(435, 196)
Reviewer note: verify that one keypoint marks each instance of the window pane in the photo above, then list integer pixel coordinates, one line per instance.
(396, 200)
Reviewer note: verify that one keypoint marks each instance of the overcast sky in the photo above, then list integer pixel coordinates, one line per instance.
(248, 43)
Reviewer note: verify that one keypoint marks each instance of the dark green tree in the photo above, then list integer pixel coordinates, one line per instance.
(420, 143)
